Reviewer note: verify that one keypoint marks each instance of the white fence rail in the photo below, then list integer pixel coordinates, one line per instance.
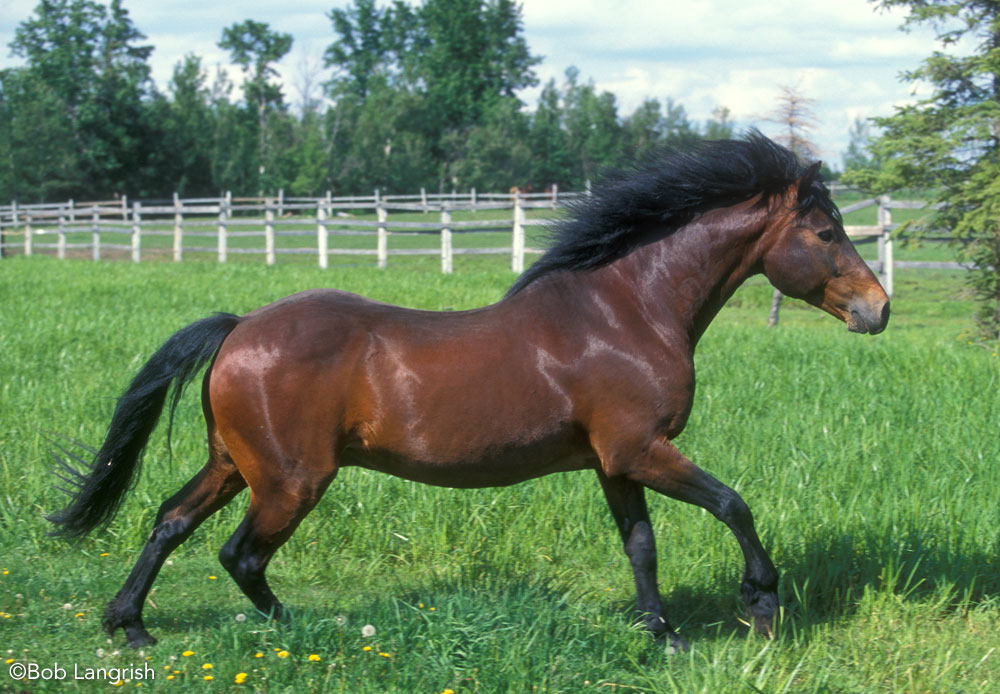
(122, 226)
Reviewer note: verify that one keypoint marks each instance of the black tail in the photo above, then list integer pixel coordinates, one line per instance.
(100, 491)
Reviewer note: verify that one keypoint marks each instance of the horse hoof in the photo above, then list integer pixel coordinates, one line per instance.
(677, 644)
(139, 638)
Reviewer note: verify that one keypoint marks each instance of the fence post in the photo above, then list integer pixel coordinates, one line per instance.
(61, 238)
(229, 203)
(885, 243)
(517, 250)
(136, 231)
(72, 212)
(269, 231)
(555, 195)
(178, 230)
(382, 250)
(322, 235)
(281, 202)
(222, 244)
(27, 233)
(423, 200)
(95, 233)
(472, 197)
(446, 250)
(124, 208)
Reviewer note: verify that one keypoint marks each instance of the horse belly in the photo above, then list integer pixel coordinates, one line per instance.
(474, 468)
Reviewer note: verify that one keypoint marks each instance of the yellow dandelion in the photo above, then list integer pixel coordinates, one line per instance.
(420, 605)
(366, 648)
(258, 654)
(187, 653)
(314, 657)
(283, 654)
(10, 660)
(206, 666)
(209, 678)
(433, 608)
(170, 677)
(448, 691)
(118, 683)
(212, 578)
(105, 554)
(276, 650)
(385, 655)
(241, 677)
(5, 572)
(78, 614)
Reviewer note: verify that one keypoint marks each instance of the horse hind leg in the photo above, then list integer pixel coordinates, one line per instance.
(627, 502)
(277, 506)
(208, 491)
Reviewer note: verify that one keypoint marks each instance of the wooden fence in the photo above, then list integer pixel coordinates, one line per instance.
(122, 226)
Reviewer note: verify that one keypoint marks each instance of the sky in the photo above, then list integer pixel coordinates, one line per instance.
(846, 55)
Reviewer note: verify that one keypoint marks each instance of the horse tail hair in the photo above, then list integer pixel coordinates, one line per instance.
(97, 492)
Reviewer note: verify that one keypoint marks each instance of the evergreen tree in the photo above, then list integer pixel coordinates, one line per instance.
(949, 143)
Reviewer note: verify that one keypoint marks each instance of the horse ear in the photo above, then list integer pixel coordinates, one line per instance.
(808, 177)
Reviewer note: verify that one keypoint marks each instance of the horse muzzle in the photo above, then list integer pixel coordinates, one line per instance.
(868, 316)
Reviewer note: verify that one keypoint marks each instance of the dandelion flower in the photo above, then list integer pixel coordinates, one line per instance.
(367, 630)
(212, 578)
(104, 554)
(448, 691)
(314, 658)
(341, 620)
(241, 617)
(258, 654)
(118, 683)
(366, 649)
(385, 655)
(283, 654)
(5, 572)
(241, 677)
(100, 652)
(187, 654)
(170, 677)
(209, 678)
(10, 660)
(78, 614)
(68, 606)
(206, 666)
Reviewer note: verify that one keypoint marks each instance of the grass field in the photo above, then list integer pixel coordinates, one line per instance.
(871, 464)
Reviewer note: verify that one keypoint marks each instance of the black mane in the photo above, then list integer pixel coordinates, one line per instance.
(670, 190)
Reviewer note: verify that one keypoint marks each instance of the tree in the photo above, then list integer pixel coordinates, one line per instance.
(83, 59)
(949, 143)
(796, 119)
(254, 47)
(857, 156)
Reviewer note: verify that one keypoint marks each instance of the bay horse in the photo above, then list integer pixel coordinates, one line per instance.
(585, 364)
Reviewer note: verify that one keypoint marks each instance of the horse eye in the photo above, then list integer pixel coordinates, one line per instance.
(826, 236)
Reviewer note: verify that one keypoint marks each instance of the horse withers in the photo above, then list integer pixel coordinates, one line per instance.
(597, 374)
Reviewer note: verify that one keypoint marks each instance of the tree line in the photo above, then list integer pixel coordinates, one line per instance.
(421, 96)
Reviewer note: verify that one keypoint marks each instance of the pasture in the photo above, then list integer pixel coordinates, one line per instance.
(870, 464)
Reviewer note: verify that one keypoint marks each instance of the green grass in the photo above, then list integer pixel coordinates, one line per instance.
(870, 464)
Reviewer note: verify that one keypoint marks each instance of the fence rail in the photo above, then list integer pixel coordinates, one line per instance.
(120, 226)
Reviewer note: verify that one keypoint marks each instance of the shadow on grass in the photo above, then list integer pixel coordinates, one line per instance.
(823, 581)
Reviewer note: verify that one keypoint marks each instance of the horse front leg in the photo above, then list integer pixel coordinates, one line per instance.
(664, 469)
(628, 506)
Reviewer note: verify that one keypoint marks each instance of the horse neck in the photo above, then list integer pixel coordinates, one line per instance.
(683, 279)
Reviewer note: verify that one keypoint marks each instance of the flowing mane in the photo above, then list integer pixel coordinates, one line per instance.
(670, 189)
